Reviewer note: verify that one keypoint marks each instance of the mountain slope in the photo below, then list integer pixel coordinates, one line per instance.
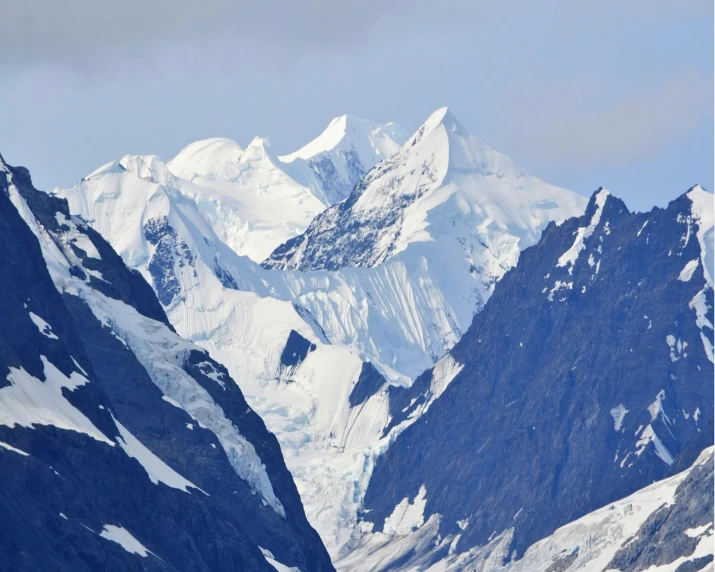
(255, 200)
(419, 244)
(442, 177)
(122, 445)
(312, 351)
(342, 154)
(298, 381)
(667, 525)
(593, 357)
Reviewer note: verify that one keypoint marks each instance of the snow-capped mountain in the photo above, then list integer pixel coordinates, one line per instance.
(251, 201)
(256, 200)
(444, 181)
(342, 154)
(122, 445)
(419, 245)
(311, 350)
(297, 380)
(552, 400)
(587, 376)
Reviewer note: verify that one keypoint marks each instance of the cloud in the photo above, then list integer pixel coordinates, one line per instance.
(86, 32)
(580, 124)
(48, 31)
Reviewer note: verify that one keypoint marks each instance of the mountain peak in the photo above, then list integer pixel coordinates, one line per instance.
(148, 167)
(692, 191)
(259, 142)
(330, 138)
(440, 161)
(439, 116)
(206, 157)
(348, 131)
(260, 149)
(443, 118)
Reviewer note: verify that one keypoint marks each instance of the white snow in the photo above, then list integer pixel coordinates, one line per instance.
(476, 211)
(407, 516)
(122, 536)
(172, 401)
(161, 352)
(703, 548)
(558, 286)
(443, 373)
(656, 408)
(44, 327)
(79, 367)
(206, 158)
(158, 470)
(687, 272)
(256, 200)
(28, 401)
(703, 212)
(268, 555)
(469, 212)
(13, 449)
(208, 370)
(82, 241)
(569, 257)
(618, 413)
(698, 531)
(372, 142)
(677, 347)
(650, 436)
(253, 204)
(699, 303)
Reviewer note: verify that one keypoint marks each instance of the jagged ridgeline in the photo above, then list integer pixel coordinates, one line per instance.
(326, 282)
(122, 446)
(587, 376)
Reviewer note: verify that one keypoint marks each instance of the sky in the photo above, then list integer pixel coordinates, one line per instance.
(612, 93)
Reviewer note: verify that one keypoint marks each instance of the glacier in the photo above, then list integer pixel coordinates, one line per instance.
(399, 312)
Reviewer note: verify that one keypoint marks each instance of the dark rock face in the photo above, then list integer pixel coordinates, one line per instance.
(295, 351)
(339, 238)
(334, 186)
(170, 252)
(118, 281)
(662, 538)
(695, 564)
(224, 276)
(583, 382)
(57, 498)
(367, 385)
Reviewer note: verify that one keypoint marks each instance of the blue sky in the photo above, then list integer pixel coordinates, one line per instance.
(583, 94)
